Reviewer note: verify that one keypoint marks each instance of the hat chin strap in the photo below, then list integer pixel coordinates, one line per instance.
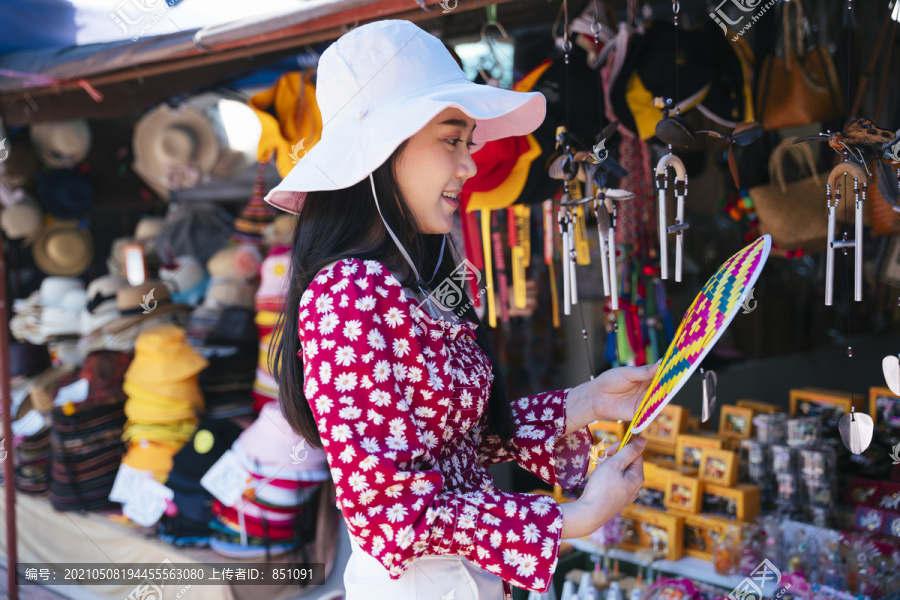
(419, 283)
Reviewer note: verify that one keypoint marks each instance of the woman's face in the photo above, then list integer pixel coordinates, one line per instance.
(432, 168)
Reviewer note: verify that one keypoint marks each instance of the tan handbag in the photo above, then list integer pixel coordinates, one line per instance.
(798, 89)
(795, 214)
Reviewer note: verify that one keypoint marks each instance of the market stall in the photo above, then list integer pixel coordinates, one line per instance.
(713, 187)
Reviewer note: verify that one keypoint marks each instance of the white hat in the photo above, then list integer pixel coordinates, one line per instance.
(101, 307)
(61, 144)
(380, 84)
(24, 220)
(183, 275)
(53, 289)
(176, 148)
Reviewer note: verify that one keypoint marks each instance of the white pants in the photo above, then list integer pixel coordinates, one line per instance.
(429, 578)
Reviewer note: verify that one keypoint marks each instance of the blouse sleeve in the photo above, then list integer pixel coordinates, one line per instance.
(538, 443)
(380, 396)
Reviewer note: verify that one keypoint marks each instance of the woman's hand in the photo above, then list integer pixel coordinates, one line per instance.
(617, 393)
(612, 486)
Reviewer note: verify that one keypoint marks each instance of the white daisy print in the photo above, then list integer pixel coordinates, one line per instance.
(381, 371)
(324, 303)
(345, 382)
(345, 356)
(401, 347)
(325, 372)
(396, 513)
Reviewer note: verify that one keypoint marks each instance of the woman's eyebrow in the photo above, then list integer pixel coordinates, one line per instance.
(458, 123)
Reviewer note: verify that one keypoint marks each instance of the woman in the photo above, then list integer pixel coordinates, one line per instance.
(402, 393)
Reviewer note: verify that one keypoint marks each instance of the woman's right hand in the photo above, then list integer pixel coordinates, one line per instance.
(613, 485)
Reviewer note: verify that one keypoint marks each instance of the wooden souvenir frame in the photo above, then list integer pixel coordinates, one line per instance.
(663, 431)
(695, 443)
(680, 484)
(606, 430)
(672, 524)
(729, 462)
(836, 401)
(744, 495)
(704, 528)
(728, 413)
(759, 407)
(876, 394)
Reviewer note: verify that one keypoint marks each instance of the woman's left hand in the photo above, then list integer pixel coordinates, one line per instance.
(617, 393)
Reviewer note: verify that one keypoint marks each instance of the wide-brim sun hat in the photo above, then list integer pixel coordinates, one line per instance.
(64, 249)
(379, 85)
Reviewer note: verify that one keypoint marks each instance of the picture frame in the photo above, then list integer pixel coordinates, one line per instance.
(608, 432)
(736, 422)
(683, 493)
(739, 502)
(759, 407)
(884, 407)
(664, 429)
(718, 466)
(642, 519)
(689, 448)
(810, 401)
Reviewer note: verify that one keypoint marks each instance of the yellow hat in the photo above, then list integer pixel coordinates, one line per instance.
(508, 192)
(646, 116)
(297, 124)
(174, 434)
(150, 456)
(163, 355)
(187, 391)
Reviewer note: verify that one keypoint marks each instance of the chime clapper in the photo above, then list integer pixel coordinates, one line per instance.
(602, 216)
(611, 245)
(662, 184)
(837, 184)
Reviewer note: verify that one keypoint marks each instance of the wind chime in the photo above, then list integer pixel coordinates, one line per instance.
(838, 181)
(680, 185)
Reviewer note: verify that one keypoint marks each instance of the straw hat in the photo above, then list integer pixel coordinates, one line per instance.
(175, 148)
(61, 144)
(23, 220)
(63, 249)
(139, 303)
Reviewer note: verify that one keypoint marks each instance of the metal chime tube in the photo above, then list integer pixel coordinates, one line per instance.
(604, 267)
(679, 239)
(564, 233)
(858, 246)
(613, 271)
(663, 241)
(829, 249)
(573, 262)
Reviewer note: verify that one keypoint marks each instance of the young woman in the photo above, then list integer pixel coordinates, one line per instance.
(403, 394)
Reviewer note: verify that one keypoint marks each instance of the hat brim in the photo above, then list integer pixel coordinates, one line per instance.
(46, 264)
(351, 148)
(120, 324)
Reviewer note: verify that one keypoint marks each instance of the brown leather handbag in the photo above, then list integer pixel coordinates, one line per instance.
(799, 88)
(794, 214)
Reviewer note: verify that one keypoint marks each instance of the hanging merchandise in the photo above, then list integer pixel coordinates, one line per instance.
(680, 186)
(838, 181)
(709, 383)
(743, 135)
(703, 324)
(800, 88)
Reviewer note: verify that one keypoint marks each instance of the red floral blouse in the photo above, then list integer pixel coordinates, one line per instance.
(398, 400)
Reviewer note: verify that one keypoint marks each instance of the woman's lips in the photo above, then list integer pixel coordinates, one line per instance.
(454, 202)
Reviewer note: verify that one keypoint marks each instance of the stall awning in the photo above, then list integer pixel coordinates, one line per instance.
(111, 78)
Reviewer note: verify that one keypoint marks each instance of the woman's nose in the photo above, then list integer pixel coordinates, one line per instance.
(466, 168)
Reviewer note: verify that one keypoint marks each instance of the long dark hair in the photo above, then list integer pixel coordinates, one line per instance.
(344, 223)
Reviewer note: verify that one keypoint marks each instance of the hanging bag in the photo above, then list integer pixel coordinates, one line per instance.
(795, 213)
(799, 88)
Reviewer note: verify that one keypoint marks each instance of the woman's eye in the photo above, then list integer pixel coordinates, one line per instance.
(455, 141)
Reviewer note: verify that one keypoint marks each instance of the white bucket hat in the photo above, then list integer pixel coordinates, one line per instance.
(379, 85)
(61, 144)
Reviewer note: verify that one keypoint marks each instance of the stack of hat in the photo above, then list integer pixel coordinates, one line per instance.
(101, 307)
(31, 432)
(270, 299)
(163, 398)
(256, 216)
(279, 515)
(85, 438)
(27, 324)
(139, 307)
(188, 523)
